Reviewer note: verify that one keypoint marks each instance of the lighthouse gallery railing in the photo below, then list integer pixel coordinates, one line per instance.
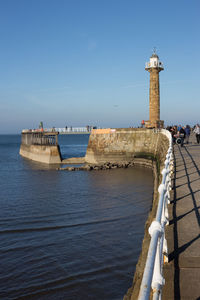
(157, 253)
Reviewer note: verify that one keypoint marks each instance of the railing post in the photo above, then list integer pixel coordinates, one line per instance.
(158, 280)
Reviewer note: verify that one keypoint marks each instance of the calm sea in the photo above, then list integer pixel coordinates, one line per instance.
(68, 235)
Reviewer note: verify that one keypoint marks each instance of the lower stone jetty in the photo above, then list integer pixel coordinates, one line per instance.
(40, 146)
(182, 273)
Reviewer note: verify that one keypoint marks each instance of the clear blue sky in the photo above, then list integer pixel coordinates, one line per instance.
(79, 62)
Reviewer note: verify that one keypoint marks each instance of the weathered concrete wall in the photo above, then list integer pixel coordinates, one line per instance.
(49, 154)
(115, 145)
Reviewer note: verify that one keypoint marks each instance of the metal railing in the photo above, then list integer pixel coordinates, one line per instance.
(39, 138)
(73, 129)
(158, 252)
(154, 64)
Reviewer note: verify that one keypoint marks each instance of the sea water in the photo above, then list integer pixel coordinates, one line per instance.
(69, 235)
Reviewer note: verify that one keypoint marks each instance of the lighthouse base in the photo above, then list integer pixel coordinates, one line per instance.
(154, 124)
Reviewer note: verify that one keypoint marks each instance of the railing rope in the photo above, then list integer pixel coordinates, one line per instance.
(158, 251)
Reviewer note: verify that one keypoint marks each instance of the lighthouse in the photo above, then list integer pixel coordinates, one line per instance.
(154, 66)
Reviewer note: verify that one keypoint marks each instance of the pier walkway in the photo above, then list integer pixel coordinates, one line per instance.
(182, 273)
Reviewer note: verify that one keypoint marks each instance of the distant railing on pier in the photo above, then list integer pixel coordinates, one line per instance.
(29, 137)
(158, 252)
(65, 130)
(74, 129)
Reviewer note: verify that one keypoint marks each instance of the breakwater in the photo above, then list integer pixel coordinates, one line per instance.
(126, 144)
(41, 147)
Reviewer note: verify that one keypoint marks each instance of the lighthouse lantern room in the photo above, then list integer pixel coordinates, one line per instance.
(154, 63)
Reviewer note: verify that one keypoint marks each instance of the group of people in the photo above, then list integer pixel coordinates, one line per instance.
(182, 133)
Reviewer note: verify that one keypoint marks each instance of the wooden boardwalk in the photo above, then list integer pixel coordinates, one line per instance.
(182, 273)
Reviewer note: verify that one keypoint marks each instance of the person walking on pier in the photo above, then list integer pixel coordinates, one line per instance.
(187, 133)
(182, 134)
(173, 131)
(197, 131)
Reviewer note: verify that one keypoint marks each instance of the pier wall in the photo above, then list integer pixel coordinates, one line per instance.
(40, 147)
(146, 147)
(43, 154)
(116, 145)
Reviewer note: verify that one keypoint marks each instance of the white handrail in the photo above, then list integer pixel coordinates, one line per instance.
(157, 253)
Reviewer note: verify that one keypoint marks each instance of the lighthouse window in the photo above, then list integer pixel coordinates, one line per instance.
(155, 63)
